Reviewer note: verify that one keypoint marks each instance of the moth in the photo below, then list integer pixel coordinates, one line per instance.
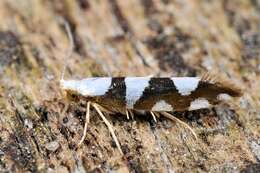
(156, 95)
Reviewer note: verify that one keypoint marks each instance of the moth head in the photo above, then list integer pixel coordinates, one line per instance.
(69, 89)
(72, 96)
(76, 89)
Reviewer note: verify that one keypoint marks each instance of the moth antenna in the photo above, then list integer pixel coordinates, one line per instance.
(70, 50)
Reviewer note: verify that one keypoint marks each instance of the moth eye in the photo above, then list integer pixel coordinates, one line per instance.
(73, 96)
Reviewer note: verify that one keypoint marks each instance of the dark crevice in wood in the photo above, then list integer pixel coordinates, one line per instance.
(120, 17)
(126, 28)
(168, 50)
(84, 4)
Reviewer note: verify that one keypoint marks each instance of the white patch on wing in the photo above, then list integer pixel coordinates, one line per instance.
(135, 87)
(185, 85)
(162, 106)
(88, 87)
(199, 103)
(224, 97)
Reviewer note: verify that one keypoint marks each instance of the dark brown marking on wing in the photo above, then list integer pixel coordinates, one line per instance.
(210, 91)
(158, 89)
(161, 89)
(120, 17)
(164, 89)
(115, 96)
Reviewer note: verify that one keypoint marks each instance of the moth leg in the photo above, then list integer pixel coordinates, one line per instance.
(154, 116)
(157, 114)
(103, 109)
(86, 124)
(167, 115)
(109, 126)
(131, 114)
(127, 114)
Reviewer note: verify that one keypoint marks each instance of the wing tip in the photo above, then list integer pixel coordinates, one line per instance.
(223, 81)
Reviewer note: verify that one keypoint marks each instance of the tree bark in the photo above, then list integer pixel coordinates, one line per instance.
(126, 38)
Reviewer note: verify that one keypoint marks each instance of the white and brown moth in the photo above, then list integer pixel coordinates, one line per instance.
(157, 95)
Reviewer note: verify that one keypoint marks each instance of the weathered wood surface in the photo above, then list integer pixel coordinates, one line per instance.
(127, 38)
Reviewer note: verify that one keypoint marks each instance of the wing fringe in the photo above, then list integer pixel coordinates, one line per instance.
(222, 81)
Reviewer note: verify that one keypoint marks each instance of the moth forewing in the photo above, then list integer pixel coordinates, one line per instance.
(149, 94)
(155, 95)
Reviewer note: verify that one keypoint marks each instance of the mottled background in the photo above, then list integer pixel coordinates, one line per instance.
(127, 38)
